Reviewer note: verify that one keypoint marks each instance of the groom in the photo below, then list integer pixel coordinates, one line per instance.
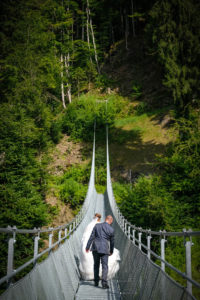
(102, 240)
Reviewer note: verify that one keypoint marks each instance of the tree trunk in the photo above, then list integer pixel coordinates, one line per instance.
(126, 31)
(69, 96)
(88, 34)
(94, 44)
(93, 38)
(112, 34)
(78, 87)
(62, 85)
(83, 27)
(72, 41)
(133, 20)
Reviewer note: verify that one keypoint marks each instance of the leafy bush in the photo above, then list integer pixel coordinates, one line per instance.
(73, 185)
(73, 193)
(144, 203)
(55, 131)
(137, 91)
(141, 108)
(78, 121)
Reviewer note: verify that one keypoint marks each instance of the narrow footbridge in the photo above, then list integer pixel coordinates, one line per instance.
(58, 277)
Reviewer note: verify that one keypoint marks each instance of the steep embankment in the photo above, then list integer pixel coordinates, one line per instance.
(143, 132)
(66, 154)
(140, 131)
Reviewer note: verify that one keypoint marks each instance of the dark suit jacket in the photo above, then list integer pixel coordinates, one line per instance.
(102, 239)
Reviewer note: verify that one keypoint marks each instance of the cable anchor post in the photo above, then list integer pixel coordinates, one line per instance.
(59, 235)
(149, 243)
(188, 258)
(162, 245)
(36, 242)
(140, 240)
(133, 231)
(50, 239)
(10, 262)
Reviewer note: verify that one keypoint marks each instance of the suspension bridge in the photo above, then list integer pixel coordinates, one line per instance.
(58, 276)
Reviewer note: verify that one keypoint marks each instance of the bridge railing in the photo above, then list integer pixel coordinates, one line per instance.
(135, 233)
(62, 232)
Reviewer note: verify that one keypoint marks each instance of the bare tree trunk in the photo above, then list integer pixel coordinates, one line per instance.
(122, 21)
(88, 34)
(93, 38)
(67, 73)
(95, 48)
(83, 27)
(112, 34)
(133, 20)
(62, 85)
(126, 31)
(72, 41)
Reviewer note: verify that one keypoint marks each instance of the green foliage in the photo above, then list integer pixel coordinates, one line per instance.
(73, 185)
(100, 167)
(137, 91)
(175, 32)
(144, 204)
(172, 197)
(73, 193)
(181, 171)
(102, 80)
(141, 108)
(55, 130)
(29, 86)
(171, 200)
(78, 121)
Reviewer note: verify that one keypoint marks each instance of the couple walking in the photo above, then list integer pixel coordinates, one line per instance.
(98, 246)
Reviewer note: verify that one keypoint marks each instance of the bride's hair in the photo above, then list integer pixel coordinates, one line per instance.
(98, 216)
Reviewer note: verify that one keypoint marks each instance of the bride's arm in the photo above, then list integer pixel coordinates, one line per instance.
(91, 239)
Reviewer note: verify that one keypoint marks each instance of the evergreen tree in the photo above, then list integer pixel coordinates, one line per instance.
(175, 31)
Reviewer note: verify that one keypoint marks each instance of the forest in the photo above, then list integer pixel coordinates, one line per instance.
(125, 63)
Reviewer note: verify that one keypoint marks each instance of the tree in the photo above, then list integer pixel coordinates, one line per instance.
(175, 30)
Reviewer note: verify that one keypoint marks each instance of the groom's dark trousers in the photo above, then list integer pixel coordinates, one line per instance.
(104, 262)
(102, 240)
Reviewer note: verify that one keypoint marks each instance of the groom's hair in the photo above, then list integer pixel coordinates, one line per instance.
(97, 216)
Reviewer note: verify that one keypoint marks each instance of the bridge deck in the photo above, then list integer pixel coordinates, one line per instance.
(87, 291)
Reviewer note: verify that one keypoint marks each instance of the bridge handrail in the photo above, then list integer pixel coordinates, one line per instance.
(126, 226)
(68, 228)
(185, 233)
(168, 264)
(33, 260)
(10, 229)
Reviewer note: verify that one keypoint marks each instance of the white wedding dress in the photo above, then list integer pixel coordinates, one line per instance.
(86, 259)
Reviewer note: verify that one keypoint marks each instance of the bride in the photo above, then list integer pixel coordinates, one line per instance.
(86, 259)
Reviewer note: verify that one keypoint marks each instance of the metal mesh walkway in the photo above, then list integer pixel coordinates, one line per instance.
(87, 291)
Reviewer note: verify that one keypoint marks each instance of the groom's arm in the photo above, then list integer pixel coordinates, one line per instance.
(91, 239)
(112, 240)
